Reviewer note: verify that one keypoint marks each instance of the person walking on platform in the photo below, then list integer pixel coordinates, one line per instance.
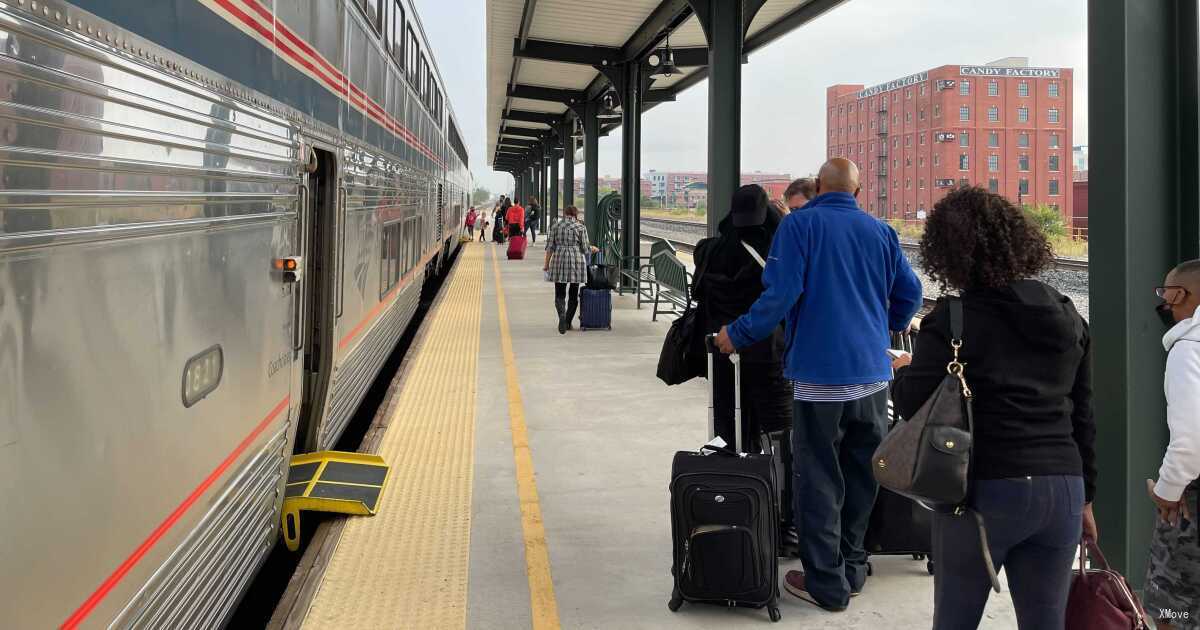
(484, 222)
(515, 218)
(727, 282)
(841, 280)
(532, 216)
(498, 225)
(1172, 593)
(567, 249)
(470, 222)
(1028, 362)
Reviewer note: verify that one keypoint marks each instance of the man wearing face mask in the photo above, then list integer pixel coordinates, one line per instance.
(1172, 593)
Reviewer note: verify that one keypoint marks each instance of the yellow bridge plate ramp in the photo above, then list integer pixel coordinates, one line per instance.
(331, 481)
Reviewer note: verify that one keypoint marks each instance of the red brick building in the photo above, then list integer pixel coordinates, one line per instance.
(1004, 126)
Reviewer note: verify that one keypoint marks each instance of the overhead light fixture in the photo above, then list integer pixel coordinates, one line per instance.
(663, 61)
(577, 129)
(609, 102)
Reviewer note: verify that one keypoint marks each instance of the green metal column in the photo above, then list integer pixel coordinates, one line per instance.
(1143, 220)
(591, 170)
(631, 165)
(725, 38)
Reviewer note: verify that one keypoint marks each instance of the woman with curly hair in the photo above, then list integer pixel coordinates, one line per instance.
(1028, 362)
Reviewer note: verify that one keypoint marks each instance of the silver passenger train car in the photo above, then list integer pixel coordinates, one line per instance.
(165, 163)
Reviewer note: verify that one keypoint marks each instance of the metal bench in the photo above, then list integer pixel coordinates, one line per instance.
(633, 269)
(672, 282)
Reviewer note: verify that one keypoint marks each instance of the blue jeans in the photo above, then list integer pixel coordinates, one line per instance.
(834, 490)
(1033, 529)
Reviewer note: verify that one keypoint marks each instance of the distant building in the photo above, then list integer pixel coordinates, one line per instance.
(1079, 157)
(675, 189)
(1003, 126)
(1079, 195)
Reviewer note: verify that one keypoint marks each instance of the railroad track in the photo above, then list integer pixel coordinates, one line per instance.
(1064, 263)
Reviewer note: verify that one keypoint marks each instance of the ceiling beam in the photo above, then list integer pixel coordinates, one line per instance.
(526, 21)
(666, 17)
(519, 142)
(798, 17)
(585, 54)
(533, 117)
(541, 93)
(692, 56)
(659, 96)
(521, 131)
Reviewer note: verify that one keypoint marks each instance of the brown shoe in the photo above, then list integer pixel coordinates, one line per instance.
(793, 582)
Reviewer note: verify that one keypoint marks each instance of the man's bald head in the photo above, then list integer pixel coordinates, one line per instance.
(1183, 304)
(838, 175)
(1186, 275)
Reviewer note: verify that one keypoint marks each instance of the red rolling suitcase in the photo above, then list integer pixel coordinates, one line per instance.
(516, 247)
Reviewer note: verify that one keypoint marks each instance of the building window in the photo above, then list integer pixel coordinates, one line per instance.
(907, 117)
(922, 138)
(994, 163)
(993, 114)
(921, 114)
(937, 111)
(1053, 186)
(1022, 186)
(963, 162)
(994, 186)
(896, 184)
(1052, 89)
(922, 89)
(895, 163)
(1023, 89)
(1054, 163)
(850, 108)
(908, 93)
(872, 124)
(964, 139)
(921, 183)
(907, 161)
(964, 88)
(896, 119)
(1023, 162)
(1053, 116)
(908, 141)
(937, 159)
(895, 143)
(841, 109)
(908, 184)
(1022, 114)
(1053, 141)
(993, 88)
(1023, 139)
(964, 113)
(993, 139)
(921, 160)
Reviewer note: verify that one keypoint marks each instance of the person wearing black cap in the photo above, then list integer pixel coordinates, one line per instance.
(728, 280)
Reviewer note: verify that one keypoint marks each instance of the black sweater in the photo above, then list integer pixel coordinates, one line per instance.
(1028, 361)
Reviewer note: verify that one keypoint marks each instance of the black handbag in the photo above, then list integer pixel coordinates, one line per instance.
(683, 354)
(927, 458)
(598, 274)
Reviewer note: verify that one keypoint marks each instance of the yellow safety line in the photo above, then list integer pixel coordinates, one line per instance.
(543, 605)
(407, 566)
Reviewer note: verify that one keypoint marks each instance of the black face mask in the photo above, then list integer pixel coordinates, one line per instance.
(1164, 313)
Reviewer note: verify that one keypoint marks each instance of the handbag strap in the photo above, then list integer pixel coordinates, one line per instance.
(956, 319)
(754, 254)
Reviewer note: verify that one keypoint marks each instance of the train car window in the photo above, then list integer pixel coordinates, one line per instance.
(373, 9)
(389, 263)
(412, 54)
(397, 33)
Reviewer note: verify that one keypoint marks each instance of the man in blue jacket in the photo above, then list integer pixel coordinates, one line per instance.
(840, 280)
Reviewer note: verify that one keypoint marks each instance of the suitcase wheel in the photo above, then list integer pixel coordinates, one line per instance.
(870, 569)
(676, 602)
(775, 614)
(918, 556)
(929, 566)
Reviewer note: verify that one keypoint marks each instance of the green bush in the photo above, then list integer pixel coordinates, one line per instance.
(1047, 219)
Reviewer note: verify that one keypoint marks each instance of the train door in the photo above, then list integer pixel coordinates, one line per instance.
(319, 289)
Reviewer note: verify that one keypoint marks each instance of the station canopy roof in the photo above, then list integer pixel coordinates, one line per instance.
(542, 52)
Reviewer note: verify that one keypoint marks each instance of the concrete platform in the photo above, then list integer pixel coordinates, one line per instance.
(601, 433)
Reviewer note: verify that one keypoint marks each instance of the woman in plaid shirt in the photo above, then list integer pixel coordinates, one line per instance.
(566, 264)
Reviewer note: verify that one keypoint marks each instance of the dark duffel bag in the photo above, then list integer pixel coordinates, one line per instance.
(899, 526)
(724, 524)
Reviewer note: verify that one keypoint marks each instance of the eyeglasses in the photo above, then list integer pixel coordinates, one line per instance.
(1168, 293)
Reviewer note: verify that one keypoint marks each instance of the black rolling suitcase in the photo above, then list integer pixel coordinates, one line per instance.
(724, 522)
(899, 526)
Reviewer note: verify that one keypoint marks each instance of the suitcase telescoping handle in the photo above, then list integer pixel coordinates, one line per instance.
(711, 343)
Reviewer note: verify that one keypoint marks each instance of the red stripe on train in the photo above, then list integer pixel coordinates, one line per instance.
(125, 567)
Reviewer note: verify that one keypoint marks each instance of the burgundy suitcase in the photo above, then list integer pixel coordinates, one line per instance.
(516, 247)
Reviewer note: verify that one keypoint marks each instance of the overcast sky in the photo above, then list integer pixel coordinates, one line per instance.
(783, 86)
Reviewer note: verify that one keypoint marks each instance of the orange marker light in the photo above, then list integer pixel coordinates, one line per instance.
(288, 267)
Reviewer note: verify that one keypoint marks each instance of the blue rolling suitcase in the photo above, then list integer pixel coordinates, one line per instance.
(595, 309)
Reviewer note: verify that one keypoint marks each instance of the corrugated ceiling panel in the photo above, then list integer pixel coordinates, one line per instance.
(503, 20)
(771, 11)
(690, 33)
(569, 76)
(597, 22)
(537, 106)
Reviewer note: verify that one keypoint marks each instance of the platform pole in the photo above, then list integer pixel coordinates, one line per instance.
(1144, 220)
(725, 39)
(568, 169)
(631, 164)
(591, 170)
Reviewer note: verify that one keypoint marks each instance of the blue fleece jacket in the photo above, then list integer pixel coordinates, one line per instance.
(839, 278)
